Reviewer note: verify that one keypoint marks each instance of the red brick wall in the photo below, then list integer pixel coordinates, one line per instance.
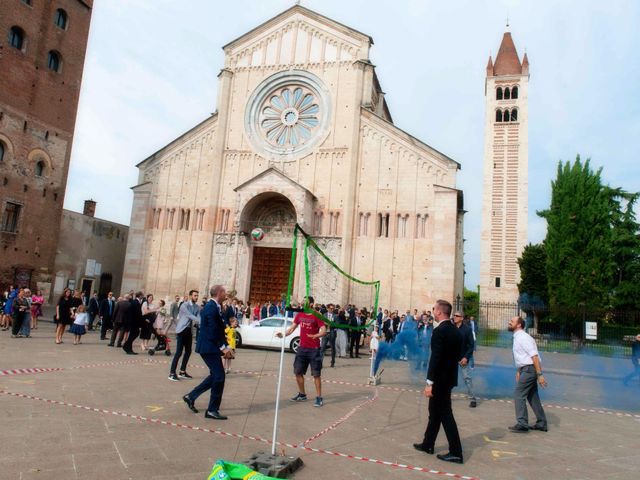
(38, 113)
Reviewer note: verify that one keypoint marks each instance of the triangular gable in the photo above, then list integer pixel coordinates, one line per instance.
(268, 178)
(297, 35)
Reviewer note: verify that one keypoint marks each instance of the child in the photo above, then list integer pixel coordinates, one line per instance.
(373, 346)
(78, 328)
(230, 331)
(159, 326)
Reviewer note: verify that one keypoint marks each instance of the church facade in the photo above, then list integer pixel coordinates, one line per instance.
(302, 134)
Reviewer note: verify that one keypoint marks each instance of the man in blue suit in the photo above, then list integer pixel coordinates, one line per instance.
(212, 347)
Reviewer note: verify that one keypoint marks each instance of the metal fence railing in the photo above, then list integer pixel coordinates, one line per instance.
(597, 331)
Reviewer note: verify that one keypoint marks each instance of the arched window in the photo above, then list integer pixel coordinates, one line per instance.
(505, 118)
(39, 170)
(499, 93)
(498, 115)
(16, 38)
(53, 61)
(514, 115)
(2, 150)
(507, 93)
(514, 92)
(60, 19)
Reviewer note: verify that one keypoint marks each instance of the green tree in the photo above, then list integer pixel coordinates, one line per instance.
(471, 303)
(625, 294)
(533, 272)
(533, 287)
(579, 239)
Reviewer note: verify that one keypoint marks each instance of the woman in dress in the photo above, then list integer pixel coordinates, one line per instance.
(36, 308)
(10, 295)
(63, 314)
(149, 313)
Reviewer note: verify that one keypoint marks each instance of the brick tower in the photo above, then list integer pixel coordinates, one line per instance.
(505, 180)
(42, 50)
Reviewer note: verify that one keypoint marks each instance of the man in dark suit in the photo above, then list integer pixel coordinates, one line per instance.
(442, 376)
(355, 332)
(121, 314)
(133, 323)
(93, 309)
(212, 347)
(105, 312)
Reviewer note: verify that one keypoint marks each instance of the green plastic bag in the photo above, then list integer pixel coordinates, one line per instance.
(223, 470)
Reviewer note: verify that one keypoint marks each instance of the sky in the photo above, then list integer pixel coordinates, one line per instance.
(151, 74)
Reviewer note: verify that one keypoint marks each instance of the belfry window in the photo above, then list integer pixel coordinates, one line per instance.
(514, 115)
(507, 93)
(498, 115)
(514, 92)
(499, 93)
(506, 117)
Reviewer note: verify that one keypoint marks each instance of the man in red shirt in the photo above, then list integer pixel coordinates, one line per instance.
(309, 352)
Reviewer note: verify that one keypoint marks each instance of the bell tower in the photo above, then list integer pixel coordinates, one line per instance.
(505, 177)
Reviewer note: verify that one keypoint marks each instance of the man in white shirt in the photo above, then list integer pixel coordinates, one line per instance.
(528, 376)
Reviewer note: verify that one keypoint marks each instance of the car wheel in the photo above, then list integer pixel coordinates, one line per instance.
(295, 344)
(238, 340)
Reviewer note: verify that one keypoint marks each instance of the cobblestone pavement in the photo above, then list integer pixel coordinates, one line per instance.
(92, 412)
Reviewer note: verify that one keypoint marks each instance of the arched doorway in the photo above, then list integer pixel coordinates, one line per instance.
(268, 272)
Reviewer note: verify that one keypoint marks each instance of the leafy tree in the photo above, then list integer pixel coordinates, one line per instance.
(579, 241)
(625, 293)
(533, 272)
(533, 286)
(471, 303)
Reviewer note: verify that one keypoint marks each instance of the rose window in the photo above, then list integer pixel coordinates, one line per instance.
(289, 117)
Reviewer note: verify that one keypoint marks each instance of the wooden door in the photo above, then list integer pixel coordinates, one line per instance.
(269, 274)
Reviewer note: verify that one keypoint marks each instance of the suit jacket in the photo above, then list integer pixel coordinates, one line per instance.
(122, 312)
(467, 341)
(446, 352)
(136, 313)
(94, 306)
(104, 309)
(211, 337)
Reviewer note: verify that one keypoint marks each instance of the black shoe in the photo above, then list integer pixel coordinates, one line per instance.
(421, 448)
(103, 338)
(110, 345)
(540, 428)
(519, 429)
(447, 457)
(473, 404)
(130, 352)
(190, 403)
(214, 415)
(184, 375)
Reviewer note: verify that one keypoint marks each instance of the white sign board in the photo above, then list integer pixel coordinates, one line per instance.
(98, 269)
(591, 330)
(91, 268)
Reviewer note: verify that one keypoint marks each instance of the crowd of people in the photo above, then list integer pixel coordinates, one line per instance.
(449, 337)
(20, 310)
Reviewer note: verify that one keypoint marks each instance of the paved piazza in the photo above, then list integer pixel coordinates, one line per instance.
(91, 412)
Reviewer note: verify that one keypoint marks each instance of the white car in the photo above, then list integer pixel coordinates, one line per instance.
(263, 334)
